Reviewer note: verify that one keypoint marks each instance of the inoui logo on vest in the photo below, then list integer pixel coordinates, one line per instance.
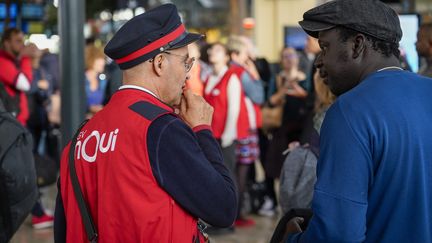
(100, 146)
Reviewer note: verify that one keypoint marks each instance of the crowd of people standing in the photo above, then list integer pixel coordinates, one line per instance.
(265, 115)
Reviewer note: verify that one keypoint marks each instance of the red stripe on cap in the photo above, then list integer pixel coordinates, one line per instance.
(154, 45)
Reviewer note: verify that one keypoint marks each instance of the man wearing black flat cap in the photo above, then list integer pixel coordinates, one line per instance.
(374, 173)
(146, 173)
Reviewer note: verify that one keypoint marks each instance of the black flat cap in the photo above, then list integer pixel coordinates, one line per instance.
(147, 35)
(370, 17)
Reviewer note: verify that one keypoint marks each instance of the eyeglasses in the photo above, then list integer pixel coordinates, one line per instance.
(188, 61)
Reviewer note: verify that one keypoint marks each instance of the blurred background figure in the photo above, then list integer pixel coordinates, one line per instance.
(324, 100)
(16, 74)
(291, 77)
(223, 91)
(95, 82)
(39, 99)
(290, 101)
(424, 48)
(195, 83)
(20, 66)
(298, 175)
(307, 57)
(248, 147)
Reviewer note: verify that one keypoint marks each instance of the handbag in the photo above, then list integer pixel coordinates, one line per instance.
(46, 170)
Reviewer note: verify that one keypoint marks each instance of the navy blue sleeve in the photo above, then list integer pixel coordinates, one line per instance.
(189, 166)
(59, 219)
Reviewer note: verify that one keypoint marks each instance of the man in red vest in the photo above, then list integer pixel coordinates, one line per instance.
(148, 174)
(16, 74)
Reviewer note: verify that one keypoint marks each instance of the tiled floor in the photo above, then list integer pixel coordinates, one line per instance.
(260, 233)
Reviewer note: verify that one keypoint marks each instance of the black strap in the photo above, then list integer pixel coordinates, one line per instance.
(85, 214)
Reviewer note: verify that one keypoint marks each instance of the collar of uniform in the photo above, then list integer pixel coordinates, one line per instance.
(130, 86)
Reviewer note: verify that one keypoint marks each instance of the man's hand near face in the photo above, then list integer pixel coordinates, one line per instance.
(194, 110)
(30, 50)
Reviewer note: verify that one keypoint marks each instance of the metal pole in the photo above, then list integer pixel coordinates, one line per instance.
(71, 25)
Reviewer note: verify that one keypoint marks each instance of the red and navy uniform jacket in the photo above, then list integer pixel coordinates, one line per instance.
(11, 70)
(239, 70)
(219, 100)
(145, 175)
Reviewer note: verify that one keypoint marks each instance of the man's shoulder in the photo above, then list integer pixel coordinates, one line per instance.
(5, 57)
(148, 110)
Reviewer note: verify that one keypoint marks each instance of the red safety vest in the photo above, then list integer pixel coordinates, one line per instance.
(115, 175)
(217, 98)
(8, 77)
(239, 70)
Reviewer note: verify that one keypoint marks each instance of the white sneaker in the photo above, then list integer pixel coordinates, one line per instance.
(267, 208)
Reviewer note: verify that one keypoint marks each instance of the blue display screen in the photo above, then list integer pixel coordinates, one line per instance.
(12, 10)
(32, 11)
(295, 37)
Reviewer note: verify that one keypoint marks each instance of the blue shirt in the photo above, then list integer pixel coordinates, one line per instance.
(375, 168)
(96, 97)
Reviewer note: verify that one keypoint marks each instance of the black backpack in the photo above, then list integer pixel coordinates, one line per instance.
(18, 189)
(11, 104)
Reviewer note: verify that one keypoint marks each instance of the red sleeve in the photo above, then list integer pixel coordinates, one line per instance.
(201, 127)
(10, 72)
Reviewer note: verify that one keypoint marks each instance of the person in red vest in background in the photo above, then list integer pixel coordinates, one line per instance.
(148, 174)
(223, 91)
(194, 83)
(16, 74)
(247, 148)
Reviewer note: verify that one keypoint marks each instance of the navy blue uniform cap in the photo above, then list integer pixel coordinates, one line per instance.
(148, 34)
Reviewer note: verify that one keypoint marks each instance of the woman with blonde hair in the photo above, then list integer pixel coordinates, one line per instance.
(324, 98)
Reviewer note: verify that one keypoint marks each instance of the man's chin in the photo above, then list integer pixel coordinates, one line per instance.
(176, 103)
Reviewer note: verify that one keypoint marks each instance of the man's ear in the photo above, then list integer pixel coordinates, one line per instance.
(158, 62)
(359, 45)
